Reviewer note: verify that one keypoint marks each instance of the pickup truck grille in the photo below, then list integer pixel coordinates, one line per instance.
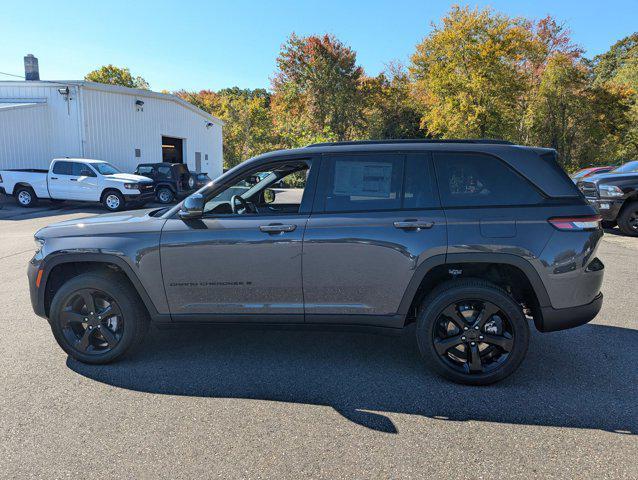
(145, 187)
(589, 189)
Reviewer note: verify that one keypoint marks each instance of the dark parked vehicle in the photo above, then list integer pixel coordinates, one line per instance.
(615, 196)
(589, 171)
(172, 180)
(470, 240)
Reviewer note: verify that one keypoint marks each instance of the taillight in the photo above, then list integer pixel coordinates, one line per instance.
(576, 223)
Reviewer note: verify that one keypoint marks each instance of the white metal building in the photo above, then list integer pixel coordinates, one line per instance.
(42, 120)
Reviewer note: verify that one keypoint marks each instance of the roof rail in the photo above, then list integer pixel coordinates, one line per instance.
(416, 140)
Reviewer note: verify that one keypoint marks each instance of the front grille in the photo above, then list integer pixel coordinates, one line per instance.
(589, 189)
(144, 187)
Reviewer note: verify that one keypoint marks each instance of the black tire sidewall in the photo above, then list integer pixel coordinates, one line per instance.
(623, 220)
(134, 318)
(479, 290)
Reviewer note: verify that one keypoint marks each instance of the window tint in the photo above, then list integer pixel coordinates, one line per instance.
(470, 179)
(81, 169)
(164, 172)
(62, 168)
(145, 170)
(363, 182)
(418, 191)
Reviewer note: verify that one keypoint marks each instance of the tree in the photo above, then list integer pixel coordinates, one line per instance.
(112, 75)
(389, 111)
(315, 90)
(469, 74)
(249, 129)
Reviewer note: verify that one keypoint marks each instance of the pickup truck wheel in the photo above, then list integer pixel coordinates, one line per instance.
(25, 196)
(165, 195)
(96, 318)
(113, 201)
(628, 220)
(472, 332)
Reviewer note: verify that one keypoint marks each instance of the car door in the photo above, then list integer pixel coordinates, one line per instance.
(228, 267)
(377, 219)
(84, 183)
(59, 179)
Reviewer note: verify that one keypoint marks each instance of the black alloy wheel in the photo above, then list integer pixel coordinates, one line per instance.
(473, 336)
(628, 220)
(92, 322)
(472, 332)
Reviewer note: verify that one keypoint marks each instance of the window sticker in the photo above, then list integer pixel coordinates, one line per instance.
(363, 179)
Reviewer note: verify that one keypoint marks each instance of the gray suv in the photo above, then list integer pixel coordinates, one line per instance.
(471, 241)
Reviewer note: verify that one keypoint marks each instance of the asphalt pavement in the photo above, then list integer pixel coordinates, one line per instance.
(260, 403)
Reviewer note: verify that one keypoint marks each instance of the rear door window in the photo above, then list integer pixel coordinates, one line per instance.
(474, 179)
(62, 168)
(363, 182)
(419, 190)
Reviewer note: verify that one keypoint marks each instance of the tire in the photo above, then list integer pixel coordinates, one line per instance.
(453, 362)
(628, 220)
(26, 197)
(113, 201)
(608, 224)
(165, 195)
(129, 328)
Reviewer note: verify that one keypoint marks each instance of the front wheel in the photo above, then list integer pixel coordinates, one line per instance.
(472, 332)
(628, 220)
(165, 195)
(113, 201)
(96, 318)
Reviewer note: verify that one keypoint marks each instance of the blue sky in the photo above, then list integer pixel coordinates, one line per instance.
(216, 44)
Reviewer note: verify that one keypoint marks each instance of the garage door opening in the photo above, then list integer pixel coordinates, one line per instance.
(172, 150)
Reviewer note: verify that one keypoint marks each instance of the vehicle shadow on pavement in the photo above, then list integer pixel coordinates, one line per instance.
(582, 378)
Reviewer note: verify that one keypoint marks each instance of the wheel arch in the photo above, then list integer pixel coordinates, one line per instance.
(109, 189)
(511, 272)
(60, 268)
(165, 185)
(19, 185)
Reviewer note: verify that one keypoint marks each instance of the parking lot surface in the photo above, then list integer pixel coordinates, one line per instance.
(237, 403)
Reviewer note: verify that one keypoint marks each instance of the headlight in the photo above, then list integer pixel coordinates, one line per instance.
(131, 186)
(610, 191)
(39, 243)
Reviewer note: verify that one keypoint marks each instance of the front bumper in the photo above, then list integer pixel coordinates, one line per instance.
(607, 207)
(553, 319)
(147, 196)
(36, 294)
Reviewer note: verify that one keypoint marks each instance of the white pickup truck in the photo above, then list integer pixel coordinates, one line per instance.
(79, 179)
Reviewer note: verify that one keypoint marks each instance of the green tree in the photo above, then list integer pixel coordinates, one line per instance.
(112, 75)
(469, 75)
(249, 129)
(315, 90)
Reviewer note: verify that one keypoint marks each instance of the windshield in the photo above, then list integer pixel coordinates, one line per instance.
(627, 167)
(106, 168)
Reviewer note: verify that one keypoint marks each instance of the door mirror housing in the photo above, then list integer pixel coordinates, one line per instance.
(192, 207)
(269, 195)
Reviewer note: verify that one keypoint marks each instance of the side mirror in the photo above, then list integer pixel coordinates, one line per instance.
(269, 195)
(192, 207)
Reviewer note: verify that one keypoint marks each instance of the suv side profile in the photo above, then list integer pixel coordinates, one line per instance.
(470, 240)
(172, 180)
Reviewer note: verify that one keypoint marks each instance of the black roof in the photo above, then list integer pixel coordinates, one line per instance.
(487, 141)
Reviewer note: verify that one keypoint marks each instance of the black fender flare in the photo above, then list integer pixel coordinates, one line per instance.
(59, 258)
(453, 258)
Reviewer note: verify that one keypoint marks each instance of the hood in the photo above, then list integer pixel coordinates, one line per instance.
(610, 178)
(129, 177)
(105, 224)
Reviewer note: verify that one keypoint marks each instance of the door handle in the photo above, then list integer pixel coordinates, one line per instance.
(413, 225)
(277, 228)
(73, 179)
(54, 178)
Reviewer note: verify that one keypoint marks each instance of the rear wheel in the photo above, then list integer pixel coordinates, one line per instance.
(96, 318)
(25, 196)
(165, 195)
(113, 201)
(472, 332)
(628, 220)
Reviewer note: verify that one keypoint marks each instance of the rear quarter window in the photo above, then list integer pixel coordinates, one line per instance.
(475, 179)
